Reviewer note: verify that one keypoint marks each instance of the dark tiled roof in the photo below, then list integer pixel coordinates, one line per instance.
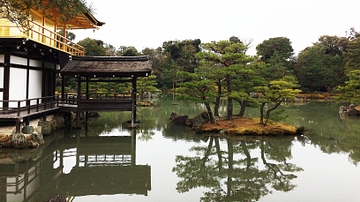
(108, 66)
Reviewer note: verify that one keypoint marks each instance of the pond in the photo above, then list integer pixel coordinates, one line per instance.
(106, 161)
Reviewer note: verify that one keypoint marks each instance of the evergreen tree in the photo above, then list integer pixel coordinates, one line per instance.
(228, 59)
(350, 92)
(198, 87)
(276, 92)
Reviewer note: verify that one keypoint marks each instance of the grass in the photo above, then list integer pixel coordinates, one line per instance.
(250, 126)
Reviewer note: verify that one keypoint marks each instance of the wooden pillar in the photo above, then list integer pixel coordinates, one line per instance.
(133, 101)
(17, 125)
(27, 75)
(62, 87)
(78, 101)
(7, 65)
(87, 88)
(63, 39)
(43, 79)
(87, 97)
(133, 147)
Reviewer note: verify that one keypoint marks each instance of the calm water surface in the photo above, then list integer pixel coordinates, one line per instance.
(160, 162)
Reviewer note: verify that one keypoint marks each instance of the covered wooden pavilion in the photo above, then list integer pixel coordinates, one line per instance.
(117, 69)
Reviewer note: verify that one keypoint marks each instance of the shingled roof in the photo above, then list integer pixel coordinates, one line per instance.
(106, 66)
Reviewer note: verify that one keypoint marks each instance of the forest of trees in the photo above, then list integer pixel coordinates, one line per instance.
(318, 68)
(208, 72)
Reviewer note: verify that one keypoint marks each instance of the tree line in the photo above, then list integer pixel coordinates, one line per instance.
(209, 72)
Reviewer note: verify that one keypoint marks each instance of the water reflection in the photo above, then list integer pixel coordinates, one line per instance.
(327, 130)
(102, 159)
(78, 166)
(238, 171)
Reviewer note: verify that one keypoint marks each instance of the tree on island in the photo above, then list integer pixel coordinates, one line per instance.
(226, 71)
(280, 84)
(198, 87)
(228, 60)
(276, 92)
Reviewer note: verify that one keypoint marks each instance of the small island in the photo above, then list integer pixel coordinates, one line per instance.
(250, 126)
(237, 126)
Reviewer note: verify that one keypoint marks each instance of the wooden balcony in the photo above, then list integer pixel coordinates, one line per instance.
(40, 34)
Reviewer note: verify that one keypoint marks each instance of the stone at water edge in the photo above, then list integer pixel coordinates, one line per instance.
(46, 127)
(19, 141)
(178, 119)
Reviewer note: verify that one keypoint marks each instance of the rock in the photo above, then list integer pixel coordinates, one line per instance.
(36, 140)
(19, 140)
(57, 198)
(27, 129)
(60, 121)
(198, 121)
(5, 140)
(46, 127)
(351, 110)
(178, 120)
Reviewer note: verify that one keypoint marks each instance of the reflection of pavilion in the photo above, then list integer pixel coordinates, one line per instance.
(100, 166)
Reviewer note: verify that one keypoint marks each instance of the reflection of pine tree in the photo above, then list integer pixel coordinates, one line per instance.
(235, 175)
(279, 174)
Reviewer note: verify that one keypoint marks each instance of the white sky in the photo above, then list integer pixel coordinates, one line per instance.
(148, 23)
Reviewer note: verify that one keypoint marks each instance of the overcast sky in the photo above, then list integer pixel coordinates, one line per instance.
(148, 23)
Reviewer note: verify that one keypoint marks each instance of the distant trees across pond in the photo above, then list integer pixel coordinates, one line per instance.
(207, 72)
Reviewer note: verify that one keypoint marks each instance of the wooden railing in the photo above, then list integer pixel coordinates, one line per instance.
(106, 96)
(99, 101)
(28, 105)
(72, 99)
(41, 34)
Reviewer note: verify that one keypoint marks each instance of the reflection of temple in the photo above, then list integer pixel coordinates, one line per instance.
(99, 166)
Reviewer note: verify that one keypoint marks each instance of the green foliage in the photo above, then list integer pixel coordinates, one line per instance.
(281, 46)
(351, 56)
(19, 10)
(146, 85)
(183, 53)
(320, 67)
(350, 92)
(93, 47)
(127, 51)
(228, 63)
(198, 87)
(159, 62)
(275, 93)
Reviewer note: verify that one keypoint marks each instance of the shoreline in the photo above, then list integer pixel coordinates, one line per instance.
(240, 126)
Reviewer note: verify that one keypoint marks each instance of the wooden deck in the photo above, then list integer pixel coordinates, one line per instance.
(53, 104)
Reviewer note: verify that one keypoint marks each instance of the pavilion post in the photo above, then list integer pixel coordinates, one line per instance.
(78, 101)
(133, 101)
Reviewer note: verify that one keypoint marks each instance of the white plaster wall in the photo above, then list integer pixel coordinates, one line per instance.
(1, 80)
(17, 86)
(1, 77)
(18, 60)
(1, 73)
(35, 82)
(1, 98)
